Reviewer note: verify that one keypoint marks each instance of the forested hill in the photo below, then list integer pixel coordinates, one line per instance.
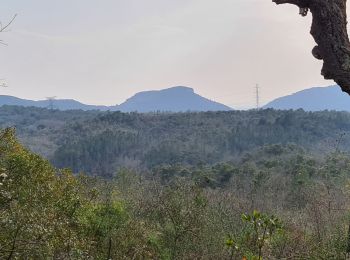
(102, 142)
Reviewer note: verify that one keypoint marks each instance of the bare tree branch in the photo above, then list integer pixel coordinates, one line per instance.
(329, 29)
(3, 28)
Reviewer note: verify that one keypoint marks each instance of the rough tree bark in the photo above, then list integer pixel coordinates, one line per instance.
(329, 29)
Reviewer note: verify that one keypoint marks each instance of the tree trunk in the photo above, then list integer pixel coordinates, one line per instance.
(330, 33)
(109, 249)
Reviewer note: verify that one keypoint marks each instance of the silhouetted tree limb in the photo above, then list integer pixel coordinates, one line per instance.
(3, 28)
(329, 29)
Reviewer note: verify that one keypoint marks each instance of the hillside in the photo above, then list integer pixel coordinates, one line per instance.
(176, 99)
(176, 211)
(314, 99)
(60, 104)
(102, 142)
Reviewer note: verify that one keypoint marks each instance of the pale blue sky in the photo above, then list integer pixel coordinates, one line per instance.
(102, 52)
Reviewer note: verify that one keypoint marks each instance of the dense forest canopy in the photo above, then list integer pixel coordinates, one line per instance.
(100, 143)
(276, 203)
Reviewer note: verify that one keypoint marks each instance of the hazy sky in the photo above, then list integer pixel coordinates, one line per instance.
(102, 52)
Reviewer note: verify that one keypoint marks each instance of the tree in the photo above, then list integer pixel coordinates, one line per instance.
(260, 228)
(329, 29)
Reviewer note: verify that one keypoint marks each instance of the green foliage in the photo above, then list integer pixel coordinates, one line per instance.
(263, 228)
(26, 192)
(46, 213)
(100, 143)
(180, 210)
(176, 211)
(259, 229)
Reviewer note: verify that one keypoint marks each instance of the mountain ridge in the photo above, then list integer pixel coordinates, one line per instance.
(174, 99)
(313, 99)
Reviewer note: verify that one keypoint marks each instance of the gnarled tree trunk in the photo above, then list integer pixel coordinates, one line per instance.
(329, 29)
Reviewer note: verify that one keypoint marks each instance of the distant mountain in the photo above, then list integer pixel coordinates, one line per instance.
(61, 104)
(314, 99)
(175, 99)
